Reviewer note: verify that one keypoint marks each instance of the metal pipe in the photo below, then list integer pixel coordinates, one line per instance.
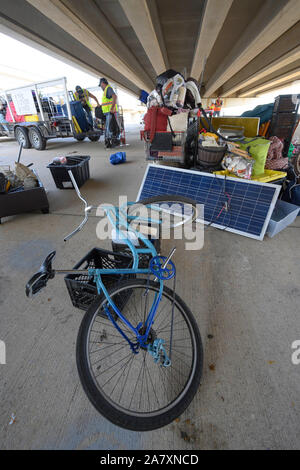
(20, 151)
(169, 257)
(71, 271)
(39, 102)
(67, 99)
(48, 82)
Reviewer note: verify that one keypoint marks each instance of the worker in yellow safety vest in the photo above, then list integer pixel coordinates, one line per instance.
(110, 110)
(218, 106)
(83, 95)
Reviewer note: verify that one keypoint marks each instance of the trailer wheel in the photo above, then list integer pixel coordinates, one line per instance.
(37, 140)
(79, 137)
(21, 135)
(94, 138)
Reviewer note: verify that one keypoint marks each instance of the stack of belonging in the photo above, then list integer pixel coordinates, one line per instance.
(250, 159)
(166, 120)
(174, 92)
(285, 119)
(19, 179)
(278, 120)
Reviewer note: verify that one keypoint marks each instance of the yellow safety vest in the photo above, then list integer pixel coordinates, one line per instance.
(106, 102)
(86, 96)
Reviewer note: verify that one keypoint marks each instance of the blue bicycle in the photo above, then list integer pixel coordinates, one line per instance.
(139, 351)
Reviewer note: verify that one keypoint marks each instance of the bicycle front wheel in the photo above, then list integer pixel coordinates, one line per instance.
(132, 390)
(172, 210)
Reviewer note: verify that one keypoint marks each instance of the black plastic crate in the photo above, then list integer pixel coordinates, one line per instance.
(283, 119)
(286, 103)
(282, 132)
(20, 200)
(79, 165)
(82, 288)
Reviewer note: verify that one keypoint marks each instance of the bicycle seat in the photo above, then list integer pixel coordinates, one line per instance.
(41, 277)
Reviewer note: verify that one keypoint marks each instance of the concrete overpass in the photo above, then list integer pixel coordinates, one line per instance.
(245, 46)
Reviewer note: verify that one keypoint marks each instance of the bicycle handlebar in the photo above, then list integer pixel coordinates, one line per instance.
(87, 209)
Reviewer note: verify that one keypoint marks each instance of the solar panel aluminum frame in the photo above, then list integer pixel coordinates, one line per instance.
(228, 178)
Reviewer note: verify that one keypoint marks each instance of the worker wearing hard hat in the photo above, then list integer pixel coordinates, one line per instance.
(110, 109)
(218, 106)
(83, 95)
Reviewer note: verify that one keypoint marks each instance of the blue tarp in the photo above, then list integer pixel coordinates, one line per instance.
(263, 111)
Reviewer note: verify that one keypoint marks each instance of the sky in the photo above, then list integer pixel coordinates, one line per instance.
(22, 65)
(265, 98)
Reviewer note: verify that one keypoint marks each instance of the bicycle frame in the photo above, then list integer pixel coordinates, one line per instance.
(118, 217)
(119, 220)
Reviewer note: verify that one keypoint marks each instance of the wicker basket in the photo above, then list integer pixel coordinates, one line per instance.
(210, 156)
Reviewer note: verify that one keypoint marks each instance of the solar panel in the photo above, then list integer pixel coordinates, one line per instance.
(250, 203)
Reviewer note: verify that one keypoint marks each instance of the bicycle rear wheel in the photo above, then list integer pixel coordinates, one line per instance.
(131, 390)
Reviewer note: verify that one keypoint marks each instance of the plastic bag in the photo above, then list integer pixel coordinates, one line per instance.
(116, 158)
(238, 165)
(163, 77)
(114, 126)
(154, 99)
(22, 171)
(170, 90)
(181, 96)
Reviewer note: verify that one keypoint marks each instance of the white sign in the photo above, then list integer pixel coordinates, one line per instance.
(23, 101)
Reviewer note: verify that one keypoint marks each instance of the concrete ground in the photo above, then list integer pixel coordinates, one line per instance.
(244, 295)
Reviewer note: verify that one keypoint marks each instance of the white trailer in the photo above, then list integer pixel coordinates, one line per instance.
(42, 111)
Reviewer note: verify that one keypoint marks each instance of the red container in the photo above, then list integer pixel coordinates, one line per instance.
(156, 120)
